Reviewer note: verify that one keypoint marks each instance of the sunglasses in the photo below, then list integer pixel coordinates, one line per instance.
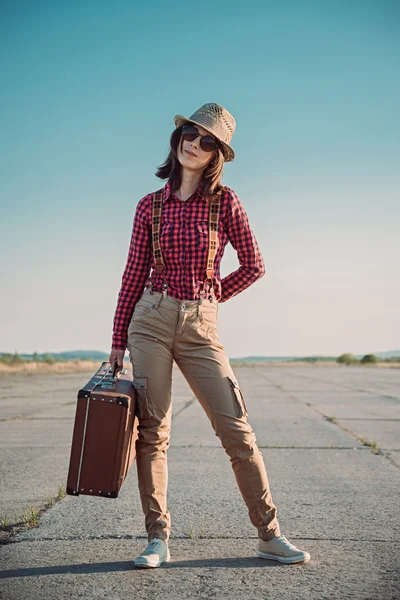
(207, 142)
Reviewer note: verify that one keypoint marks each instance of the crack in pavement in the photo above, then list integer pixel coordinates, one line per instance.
(74, 538)
(184, 407)
(334, 422)
(367, 419)
(343, 385)
(28, 415)
(273, 447)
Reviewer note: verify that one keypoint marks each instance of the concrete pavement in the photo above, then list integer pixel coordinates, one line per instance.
(336, 497)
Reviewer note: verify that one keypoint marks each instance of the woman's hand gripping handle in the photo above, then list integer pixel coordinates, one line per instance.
(117, 356)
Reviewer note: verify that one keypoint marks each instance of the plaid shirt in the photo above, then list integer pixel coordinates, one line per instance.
(184, 245)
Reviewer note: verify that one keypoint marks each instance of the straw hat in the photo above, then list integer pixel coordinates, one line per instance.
(217, 121)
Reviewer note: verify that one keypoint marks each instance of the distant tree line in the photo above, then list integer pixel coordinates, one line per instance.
(344, 359)
(351, 359)
(47, 357)
(348, 359)
(15, 359)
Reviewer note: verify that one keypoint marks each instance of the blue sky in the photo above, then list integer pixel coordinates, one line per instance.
(89, 92)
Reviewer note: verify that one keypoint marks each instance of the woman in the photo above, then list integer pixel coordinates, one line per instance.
(180, 233)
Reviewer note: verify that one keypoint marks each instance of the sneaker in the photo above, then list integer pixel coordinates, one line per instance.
(279, 548)
(156, 553)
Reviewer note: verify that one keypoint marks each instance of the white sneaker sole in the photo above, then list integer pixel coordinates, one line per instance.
(304, 557)
(144, 563)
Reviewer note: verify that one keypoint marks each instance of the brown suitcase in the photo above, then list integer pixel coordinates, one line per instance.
(104, 436)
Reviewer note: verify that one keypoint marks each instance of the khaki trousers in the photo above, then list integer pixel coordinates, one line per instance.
(166, 329)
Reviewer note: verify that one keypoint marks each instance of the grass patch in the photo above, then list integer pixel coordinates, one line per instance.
(31, 517)
(61, 493)
(50, 502)
(4, 522)
(376, 449)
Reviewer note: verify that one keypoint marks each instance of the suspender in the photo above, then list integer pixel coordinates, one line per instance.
(213, 218)
(156, 224)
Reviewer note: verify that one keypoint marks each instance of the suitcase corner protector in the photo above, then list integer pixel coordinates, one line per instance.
(72, 492)
(124, 401)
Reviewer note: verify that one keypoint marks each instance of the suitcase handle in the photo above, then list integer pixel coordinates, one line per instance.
(108, 378)
(115, 369)
(116, 375)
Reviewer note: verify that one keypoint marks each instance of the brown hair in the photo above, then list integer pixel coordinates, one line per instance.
(171, 168)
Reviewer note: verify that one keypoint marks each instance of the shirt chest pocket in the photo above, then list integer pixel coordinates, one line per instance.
(201, 234)
(166, 235)
(166, 228)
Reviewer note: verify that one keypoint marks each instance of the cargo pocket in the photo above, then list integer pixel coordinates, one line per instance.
(144, 409)
(241, 408)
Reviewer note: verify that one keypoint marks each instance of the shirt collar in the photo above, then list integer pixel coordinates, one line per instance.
(168, 191)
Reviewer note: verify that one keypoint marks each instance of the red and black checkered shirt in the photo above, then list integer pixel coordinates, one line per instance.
(184, 245)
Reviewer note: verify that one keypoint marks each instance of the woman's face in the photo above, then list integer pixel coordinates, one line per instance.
(192, 156)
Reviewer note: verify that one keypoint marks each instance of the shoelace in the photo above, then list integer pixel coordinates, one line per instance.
(153, 546)
(287, 543)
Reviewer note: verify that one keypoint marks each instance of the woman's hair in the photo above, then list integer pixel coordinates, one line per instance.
(171, 168)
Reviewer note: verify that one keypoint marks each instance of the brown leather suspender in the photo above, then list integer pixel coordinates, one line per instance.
(213, 218)
(155, 236)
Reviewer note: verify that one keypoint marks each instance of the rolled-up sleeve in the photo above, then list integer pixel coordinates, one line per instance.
(243, 240)
(134, 277)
